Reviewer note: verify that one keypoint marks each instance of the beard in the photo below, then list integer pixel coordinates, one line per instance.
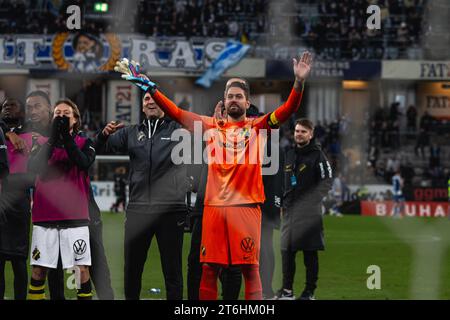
(235, 113)
(302, 142)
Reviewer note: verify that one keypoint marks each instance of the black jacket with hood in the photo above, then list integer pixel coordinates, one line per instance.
(307, 180)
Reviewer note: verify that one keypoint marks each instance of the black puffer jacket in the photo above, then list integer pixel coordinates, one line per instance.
(156, 183)
(307, 179)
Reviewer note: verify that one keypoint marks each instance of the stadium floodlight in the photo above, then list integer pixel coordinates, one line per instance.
(101, 7)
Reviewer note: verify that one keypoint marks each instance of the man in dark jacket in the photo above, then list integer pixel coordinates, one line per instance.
(157, 197)
(307, 175)
(15, 206)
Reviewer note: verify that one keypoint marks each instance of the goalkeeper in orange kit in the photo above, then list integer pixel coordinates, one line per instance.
(234, 190)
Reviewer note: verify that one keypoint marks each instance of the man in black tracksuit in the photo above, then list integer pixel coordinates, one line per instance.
(307, 179)
(157, 197)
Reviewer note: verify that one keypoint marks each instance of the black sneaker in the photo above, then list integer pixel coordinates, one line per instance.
(307, 295)
(284, 294)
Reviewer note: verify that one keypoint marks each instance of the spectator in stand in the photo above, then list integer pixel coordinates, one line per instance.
(435, 155)
(320, 133)
(384, 134)
(403, 37)
(437, 175)
(411, 116)
(373, 156)
(407, 172)
(394, 133)
(423, 140)
(426, 121)
(394, 112)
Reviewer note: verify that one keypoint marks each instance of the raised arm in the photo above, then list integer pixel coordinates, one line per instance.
(131, 72)
(185, 118)
(301, 69)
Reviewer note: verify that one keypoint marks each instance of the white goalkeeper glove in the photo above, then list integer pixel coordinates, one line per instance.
(131, 72)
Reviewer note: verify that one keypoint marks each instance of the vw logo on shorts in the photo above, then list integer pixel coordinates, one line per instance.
(79, 246)
(247, 244)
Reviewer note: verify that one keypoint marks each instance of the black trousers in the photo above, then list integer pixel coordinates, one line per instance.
(311, 261)
(267, 260)
(19, 266)
(55, 278)
(139, 232)
(99, 270)
(231, 277)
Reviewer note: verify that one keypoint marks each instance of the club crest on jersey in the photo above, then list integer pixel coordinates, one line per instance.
(141, 136)
(36, 254)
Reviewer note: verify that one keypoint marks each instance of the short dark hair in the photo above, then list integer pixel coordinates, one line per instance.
(241, 85)
(17, 101)
(40, 93)
(305, 123)
(237, 79)
(76, 112)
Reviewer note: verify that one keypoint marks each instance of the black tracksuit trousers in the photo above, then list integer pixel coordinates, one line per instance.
(139, 232)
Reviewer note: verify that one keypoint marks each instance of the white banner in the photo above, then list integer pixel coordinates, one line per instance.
(104, 194)
(123, 102)
(415, 70)
(50, 86)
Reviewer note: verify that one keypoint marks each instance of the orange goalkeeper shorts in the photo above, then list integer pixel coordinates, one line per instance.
(231, 235)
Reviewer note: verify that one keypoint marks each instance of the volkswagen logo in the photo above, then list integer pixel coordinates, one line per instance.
(247, 244)
(79, 246)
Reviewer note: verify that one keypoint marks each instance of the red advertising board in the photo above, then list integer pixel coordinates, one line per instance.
(410, 209)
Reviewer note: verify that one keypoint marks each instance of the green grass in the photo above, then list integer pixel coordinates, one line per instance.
(352, 244)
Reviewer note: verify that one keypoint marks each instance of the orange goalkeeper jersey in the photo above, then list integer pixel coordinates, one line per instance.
(235, 150)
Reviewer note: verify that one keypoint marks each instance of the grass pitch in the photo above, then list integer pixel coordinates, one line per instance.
(412, 253)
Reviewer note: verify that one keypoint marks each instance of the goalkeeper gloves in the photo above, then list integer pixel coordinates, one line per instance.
(131, 72)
